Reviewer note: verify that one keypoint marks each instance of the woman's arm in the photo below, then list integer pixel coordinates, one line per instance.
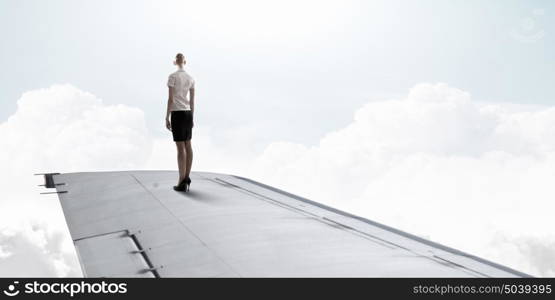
(192, 102)
(170, 99)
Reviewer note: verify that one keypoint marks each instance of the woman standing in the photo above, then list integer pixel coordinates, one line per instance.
(179, 119)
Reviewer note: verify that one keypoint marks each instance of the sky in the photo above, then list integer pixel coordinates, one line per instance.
(298, 57)
(434, 117)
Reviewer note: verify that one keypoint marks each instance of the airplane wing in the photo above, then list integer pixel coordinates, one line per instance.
(133, 224)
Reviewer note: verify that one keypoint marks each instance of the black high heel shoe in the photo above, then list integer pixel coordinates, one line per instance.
(187, 183)
(181, 186)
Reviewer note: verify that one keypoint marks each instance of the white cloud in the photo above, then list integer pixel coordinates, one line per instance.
(63, 128)
(58, 129)
(436, 164)
(532, 252)
(37, 251)
(230, 151)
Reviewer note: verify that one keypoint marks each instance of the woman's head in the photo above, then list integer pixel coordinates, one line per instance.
(179, 60)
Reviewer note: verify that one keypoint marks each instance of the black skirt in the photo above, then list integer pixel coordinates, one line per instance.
(182, 125)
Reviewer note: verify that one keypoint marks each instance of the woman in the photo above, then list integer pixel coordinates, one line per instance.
(179, 119)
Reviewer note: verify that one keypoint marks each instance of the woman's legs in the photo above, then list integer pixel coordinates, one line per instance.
(181, 160)
(189, 158)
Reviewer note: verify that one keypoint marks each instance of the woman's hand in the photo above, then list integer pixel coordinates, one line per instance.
(168, 124)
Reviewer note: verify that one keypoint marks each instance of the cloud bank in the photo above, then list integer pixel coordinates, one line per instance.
(60, 129)
(474, 176)
(36, 250)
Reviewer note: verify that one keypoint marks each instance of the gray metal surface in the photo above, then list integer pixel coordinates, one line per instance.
(112, 255)
(133, 224)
